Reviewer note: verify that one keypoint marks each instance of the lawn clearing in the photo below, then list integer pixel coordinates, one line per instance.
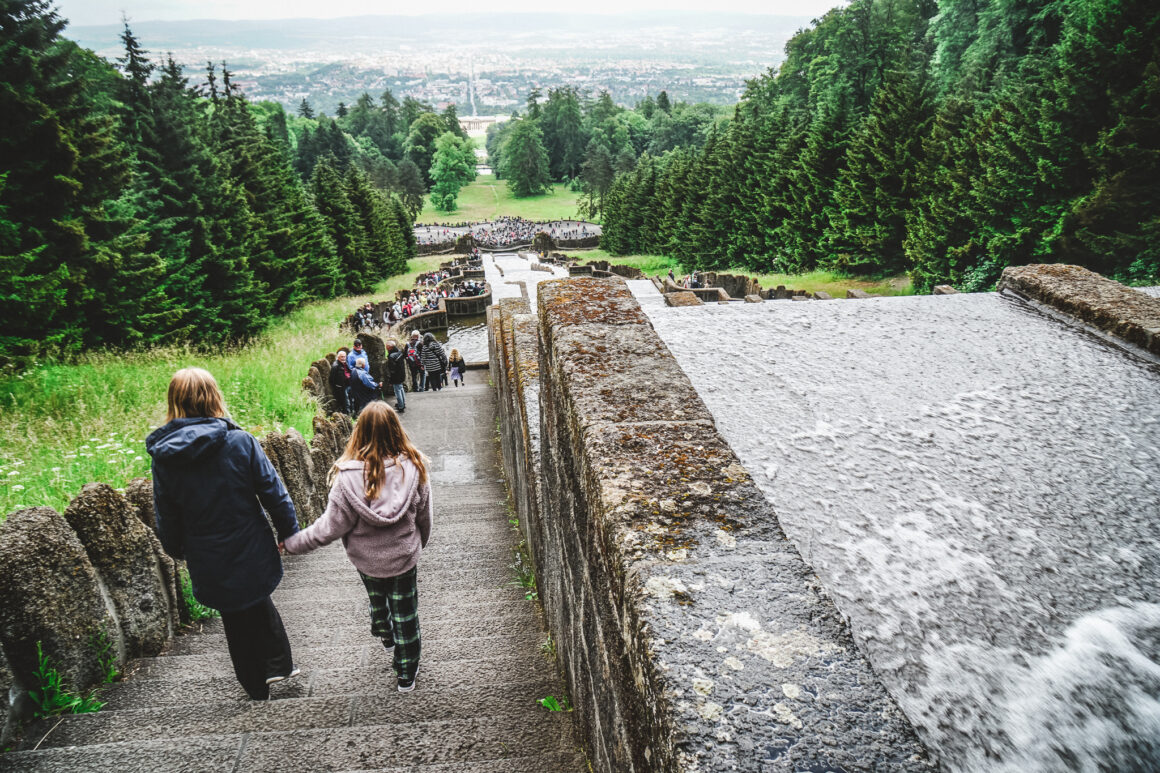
(488, 198)
(62, 426)
(814, 281)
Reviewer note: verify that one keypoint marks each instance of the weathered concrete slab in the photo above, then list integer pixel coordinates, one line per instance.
(1091, 298)
(682, 298)
(978, 499)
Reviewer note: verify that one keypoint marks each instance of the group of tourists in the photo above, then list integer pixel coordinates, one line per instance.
(508, 231)
(415, 302)
(422, 361)
(691, 281)
(212, 488)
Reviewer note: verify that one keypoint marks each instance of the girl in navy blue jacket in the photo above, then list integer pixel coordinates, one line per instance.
(211, 480)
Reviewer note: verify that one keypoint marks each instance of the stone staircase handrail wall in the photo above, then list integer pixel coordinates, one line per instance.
(99, 570)
(645, 581)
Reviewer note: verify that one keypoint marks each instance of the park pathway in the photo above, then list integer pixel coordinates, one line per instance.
(475, 706)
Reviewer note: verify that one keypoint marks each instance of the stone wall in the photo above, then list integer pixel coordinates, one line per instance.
(1085, 295)
(514, 351)
(98, 573)
(691, 633)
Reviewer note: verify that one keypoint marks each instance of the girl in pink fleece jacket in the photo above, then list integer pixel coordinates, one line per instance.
(380, 505)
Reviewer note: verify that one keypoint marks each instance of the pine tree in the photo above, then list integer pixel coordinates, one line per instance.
(373, 212)
(941, 223)
(525, 162)
(876, 188)
(596, 176)
(411, 188)
(65, 170)
(342, 223)
(562, 125)
(305, 110)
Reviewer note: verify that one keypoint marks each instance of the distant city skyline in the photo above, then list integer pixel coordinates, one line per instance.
(97, 12)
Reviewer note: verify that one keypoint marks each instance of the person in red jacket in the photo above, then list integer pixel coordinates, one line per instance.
(380, 506)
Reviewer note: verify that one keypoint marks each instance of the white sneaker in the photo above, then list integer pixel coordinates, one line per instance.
(290, 675)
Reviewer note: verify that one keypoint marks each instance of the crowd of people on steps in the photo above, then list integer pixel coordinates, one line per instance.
(421, 363)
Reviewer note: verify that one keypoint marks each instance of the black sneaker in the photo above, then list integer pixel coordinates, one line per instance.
(405, 686)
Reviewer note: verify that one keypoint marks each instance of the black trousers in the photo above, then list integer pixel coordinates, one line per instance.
(340, 400)
(259, 647)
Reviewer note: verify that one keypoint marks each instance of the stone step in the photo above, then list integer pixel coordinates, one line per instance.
(574, 761)
(245, 716)
(436, 605)
(399, 744)
(363, 651)
(487, 738)
(435, 676)
(526, 623)
(339, 569)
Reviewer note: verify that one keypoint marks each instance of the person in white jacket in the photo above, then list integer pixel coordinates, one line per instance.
(380, 505)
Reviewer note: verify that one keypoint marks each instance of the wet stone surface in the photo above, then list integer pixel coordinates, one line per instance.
(976, 485)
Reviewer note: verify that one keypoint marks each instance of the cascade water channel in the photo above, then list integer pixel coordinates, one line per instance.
(469, 334)
(977, 485)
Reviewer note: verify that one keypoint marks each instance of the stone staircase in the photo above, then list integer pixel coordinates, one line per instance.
(475, 706)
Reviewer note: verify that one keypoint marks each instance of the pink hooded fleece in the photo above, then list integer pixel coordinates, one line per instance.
(382, 538)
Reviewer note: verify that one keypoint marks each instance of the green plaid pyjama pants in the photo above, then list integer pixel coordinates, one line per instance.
(395, 617)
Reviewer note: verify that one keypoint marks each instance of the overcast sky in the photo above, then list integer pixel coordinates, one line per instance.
(81, 12)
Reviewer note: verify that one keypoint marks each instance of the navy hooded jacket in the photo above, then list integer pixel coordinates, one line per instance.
(210, 483)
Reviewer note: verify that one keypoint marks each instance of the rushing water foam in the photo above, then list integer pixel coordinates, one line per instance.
(978, 487)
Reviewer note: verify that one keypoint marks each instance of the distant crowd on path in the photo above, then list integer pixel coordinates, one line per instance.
(504, 231)
(416, 302)
(691, 281)
(422, 361)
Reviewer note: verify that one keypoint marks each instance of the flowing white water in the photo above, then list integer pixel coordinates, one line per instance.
(978, 486)
(515, 269)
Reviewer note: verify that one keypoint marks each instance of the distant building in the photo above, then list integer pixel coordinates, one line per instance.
(479, 123)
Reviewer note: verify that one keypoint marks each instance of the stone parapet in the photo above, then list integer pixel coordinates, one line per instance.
(98, 575)
(692, 635)
(1092, 299)
(52, 596)
(515, 355)
(682, 298)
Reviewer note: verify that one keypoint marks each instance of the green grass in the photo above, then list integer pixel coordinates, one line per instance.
(62, 426)
(488, 198)
(50, 696)
(825, 281)
(649, 264)
(197, 611)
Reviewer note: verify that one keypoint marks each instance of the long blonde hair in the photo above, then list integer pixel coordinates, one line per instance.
(378, 436)
(193, 392)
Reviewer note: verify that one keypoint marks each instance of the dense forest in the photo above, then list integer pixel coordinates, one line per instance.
(574, 138)
(947, 139)
(138, 209)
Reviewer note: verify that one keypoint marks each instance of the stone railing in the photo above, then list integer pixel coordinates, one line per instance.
(97, 573)
(691, 633)
(1090, 298)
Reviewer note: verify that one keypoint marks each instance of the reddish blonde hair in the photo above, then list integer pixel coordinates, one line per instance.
(193, 392)
(378, 436)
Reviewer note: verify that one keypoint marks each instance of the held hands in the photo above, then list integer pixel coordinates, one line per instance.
(282, 548)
